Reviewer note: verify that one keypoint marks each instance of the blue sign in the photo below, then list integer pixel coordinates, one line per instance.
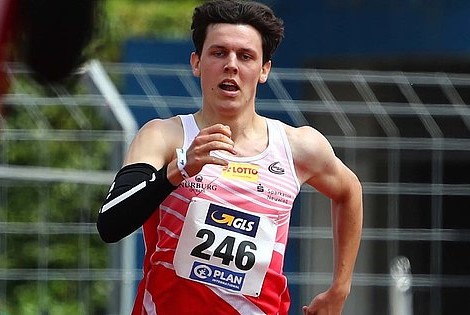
(214, 275)
(232, 220)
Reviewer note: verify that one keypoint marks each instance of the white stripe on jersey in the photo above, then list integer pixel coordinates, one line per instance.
(149, 306)
(238, 302)
(168, 232)
(280, 248)
(172, 212)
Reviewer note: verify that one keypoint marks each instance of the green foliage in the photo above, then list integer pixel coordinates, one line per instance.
(37, 203)
(167, 19)
(31, 300)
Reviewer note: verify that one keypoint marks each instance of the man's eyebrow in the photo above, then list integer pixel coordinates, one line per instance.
(247, 50)
(217, 47)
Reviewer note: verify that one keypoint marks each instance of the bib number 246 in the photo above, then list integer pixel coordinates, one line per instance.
(244, 258)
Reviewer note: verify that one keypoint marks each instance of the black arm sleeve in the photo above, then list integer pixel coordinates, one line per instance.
(137, 190)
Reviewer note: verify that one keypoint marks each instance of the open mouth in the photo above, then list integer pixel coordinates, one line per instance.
(230, 86)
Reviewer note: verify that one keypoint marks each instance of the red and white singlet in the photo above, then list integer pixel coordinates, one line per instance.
(216, 244)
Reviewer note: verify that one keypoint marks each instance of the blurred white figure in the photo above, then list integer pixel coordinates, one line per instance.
(401, 299)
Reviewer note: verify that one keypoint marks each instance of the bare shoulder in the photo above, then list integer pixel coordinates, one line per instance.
(161, 127)
(155, 142)
(317, 165)
(311, 150)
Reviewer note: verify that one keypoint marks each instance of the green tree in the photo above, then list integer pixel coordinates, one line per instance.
(35, 203)
(167, 19)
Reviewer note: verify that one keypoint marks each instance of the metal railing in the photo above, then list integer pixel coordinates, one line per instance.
(384, 125)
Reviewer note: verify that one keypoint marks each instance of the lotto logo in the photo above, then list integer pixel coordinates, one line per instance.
(241, 171)
(232, 220)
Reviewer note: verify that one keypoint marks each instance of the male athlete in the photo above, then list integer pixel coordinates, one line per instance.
(214, 189)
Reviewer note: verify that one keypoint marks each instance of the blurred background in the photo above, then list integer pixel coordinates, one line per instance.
(387, 82)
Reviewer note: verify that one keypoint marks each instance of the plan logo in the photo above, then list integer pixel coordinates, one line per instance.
(232, 220)
(217, 276)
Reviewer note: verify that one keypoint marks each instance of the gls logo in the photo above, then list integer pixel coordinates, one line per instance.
(232, 220)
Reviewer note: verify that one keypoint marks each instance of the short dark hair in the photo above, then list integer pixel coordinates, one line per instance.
(256, 14)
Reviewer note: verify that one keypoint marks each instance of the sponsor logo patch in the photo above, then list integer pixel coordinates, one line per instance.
(241, 171)
(232, 220)
(200, 184)
(275, 168)
(218, 276)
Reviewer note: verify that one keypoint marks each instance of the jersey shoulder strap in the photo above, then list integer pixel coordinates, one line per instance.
(190, 129)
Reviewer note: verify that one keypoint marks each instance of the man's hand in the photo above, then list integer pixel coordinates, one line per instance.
(212, 138)
(326, 303)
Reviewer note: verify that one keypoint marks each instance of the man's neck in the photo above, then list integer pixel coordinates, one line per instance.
(249, 133)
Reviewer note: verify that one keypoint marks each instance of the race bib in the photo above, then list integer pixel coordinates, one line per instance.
(225, 247)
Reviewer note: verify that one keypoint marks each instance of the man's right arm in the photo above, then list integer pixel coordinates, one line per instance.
(142, 184)
(150, 173)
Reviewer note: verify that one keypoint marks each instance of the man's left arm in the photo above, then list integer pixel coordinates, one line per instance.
(345, 191)
(346, 219)
(318, 166)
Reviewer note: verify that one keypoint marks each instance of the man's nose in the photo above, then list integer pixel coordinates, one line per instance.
(231, 65)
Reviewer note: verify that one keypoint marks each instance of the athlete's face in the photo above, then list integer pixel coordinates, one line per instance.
(230, 66)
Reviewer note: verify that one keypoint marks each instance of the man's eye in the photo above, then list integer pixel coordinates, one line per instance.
(245, 57)
(218, 53)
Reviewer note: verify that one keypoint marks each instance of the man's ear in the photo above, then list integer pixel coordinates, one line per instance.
(265, 72)
(195, 64)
